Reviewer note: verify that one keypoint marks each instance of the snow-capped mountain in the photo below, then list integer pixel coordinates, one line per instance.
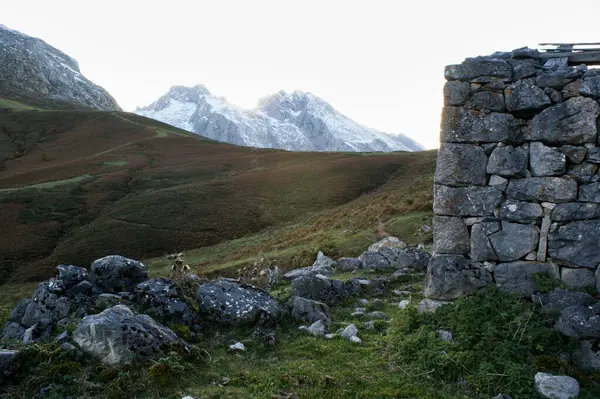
(292, 121)
(33, 70)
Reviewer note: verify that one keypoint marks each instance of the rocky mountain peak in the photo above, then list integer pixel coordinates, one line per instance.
(31, 69)
(296, 121)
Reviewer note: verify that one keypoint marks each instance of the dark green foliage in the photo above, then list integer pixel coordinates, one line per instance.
(546, 283)
(497, 338)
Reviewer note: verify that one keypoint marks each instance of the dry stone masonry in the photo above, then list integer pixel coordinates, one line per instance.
(517, 189)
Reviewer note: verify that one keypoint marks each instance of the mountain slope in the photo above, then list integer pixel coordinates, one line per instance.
(78, 185)
(291, 121)
(33, 71)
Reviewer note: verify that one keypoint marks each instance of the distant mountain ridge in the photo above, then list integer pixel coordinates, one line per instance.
(294, 121)
(31, 69)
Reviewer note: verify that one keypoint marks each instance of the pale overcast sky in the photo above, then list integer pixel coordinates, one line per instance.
(380, 62)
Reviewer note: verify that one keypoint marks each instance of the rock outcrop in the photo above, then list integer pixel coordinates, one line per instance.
(34, 71)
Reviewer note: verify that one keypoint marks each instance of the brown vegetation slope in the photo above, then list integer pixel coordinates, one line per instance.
(77, 185)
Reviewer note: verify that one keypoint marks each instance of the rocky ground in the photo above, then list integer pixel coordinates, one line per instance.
(352, 327)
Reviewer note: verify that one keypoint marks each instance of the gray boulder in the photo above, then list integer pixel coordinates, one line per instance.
(296, 273)
(12, 332)
(304, 310)
(518, 277)
(119, 337)
(163, 300)
(571, 122)
(323, 264)
(576, 243)
(460, 165)
(524, 95)
(115, 273)
(349, 264)
(546, 161)
(428, 305)
(349, 332)
(390, 241)
(322, 289)
(508, 161)
(578, 322)
(575, 211)
(514, 240)
(71, 275)
(556, 386)
(522, 212)
(452, 276)
(557, 300)
(374, 260)
(234, 303)
(413, 258)
(550, 189)
(587, 355)
(450, 235)
(461, 125)
(7, 363)
(590, 193)
(466, 201)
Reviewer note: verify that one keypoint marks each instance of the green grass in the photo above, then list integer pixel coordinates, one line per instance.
(14, 105)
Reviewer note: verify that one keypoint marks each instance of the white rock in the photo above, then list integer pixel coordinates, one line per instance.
(238, 346)
(387, 242)
(350, 331)
(403, 304)
(355, 340)
(444, 335)
(430, 305)
(363, 302)
(556, 386)
(318, 328)
(329, 336)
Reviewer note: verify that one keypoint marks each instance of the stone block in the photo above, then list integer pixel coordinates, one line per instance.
(576, 243)
(481, 247)
(508, 161)
(452, 276)
(546, 161)
(521, 212)
(551, 189)
(450, 235)
(575, 211)
(590, 193)
(575, 154)
(514, 241)
(484, 69)
(518, 277)
(460, 125)
(460, 165)
(465, 201)
(456, 93)
(577, 278)
(524, 95)
(571, 122)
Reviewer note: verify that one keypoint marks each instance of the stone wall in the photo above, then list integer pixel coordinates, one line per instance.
(517, 189)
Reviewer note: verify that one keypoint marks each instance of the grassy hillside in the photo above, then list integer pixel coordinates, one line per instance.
(78, 185)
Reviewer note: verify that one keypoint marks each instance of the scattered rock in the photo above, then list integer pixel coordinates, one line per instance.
(445, 335)
(318, 328)
(329, 336)
(237, 347)
(375, 261)
(363, 302)
(403, 304)
(431, 305)
(234, 303)
(304, 310)
(349, 332)
(556, 387)
(355, 340)
(118, 337)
